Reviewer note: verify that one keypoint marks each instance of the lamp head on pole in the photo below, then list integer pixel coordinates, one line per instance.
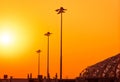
(38, 51)
(47, 34)
(61, 10)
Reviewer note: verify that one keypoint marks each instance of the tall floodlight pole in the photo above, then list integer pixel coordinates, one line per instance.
(48, 34)
(60, 11)
(38, 51)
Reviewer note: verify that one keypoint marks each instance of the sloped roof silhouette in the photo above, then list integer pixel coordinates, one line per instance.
(109, 68)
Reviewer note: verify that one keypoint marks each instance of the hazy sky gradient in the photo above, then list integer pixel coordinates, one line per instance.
(91, 33)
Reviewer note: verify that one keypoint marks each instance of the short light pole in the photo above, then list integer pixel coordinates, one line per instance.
(38, 51)
(60, 11)
(48, 35)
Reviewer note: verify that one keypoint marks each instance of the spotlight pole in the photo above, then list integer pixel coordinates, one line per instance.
(48, 74)
(38, 51)
(60, 11)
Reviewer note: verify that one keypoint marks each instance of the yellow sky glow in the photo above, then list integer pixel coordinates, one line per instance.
(91, 33)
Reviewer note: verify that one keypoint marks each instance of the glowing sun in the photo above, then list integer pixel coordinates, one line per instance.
(5, 38)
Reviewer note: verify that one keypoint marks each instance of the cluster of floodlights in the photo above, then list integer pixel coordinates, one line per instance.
(59, 11)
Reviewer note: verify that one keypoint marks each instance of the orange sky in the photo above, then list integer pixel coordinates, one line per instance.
(90, 34)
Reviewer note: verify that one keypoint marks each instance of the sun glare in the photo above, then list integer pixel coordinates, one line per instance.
(5, 39)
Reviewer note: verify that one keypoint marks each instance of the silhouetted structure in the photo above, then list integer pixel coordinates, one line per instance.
(38, 51)
(109, 68)
(5, 76)
(48, 74)
(97, 80)
(60, 11)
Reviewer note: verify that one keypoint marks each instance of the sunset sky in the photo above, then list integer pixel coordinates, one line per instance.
(91, 33)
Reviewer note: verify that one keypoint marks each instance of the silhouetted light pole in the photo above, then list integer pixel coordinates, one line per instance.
(48, 34)
(60, 11)
(38, 51)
